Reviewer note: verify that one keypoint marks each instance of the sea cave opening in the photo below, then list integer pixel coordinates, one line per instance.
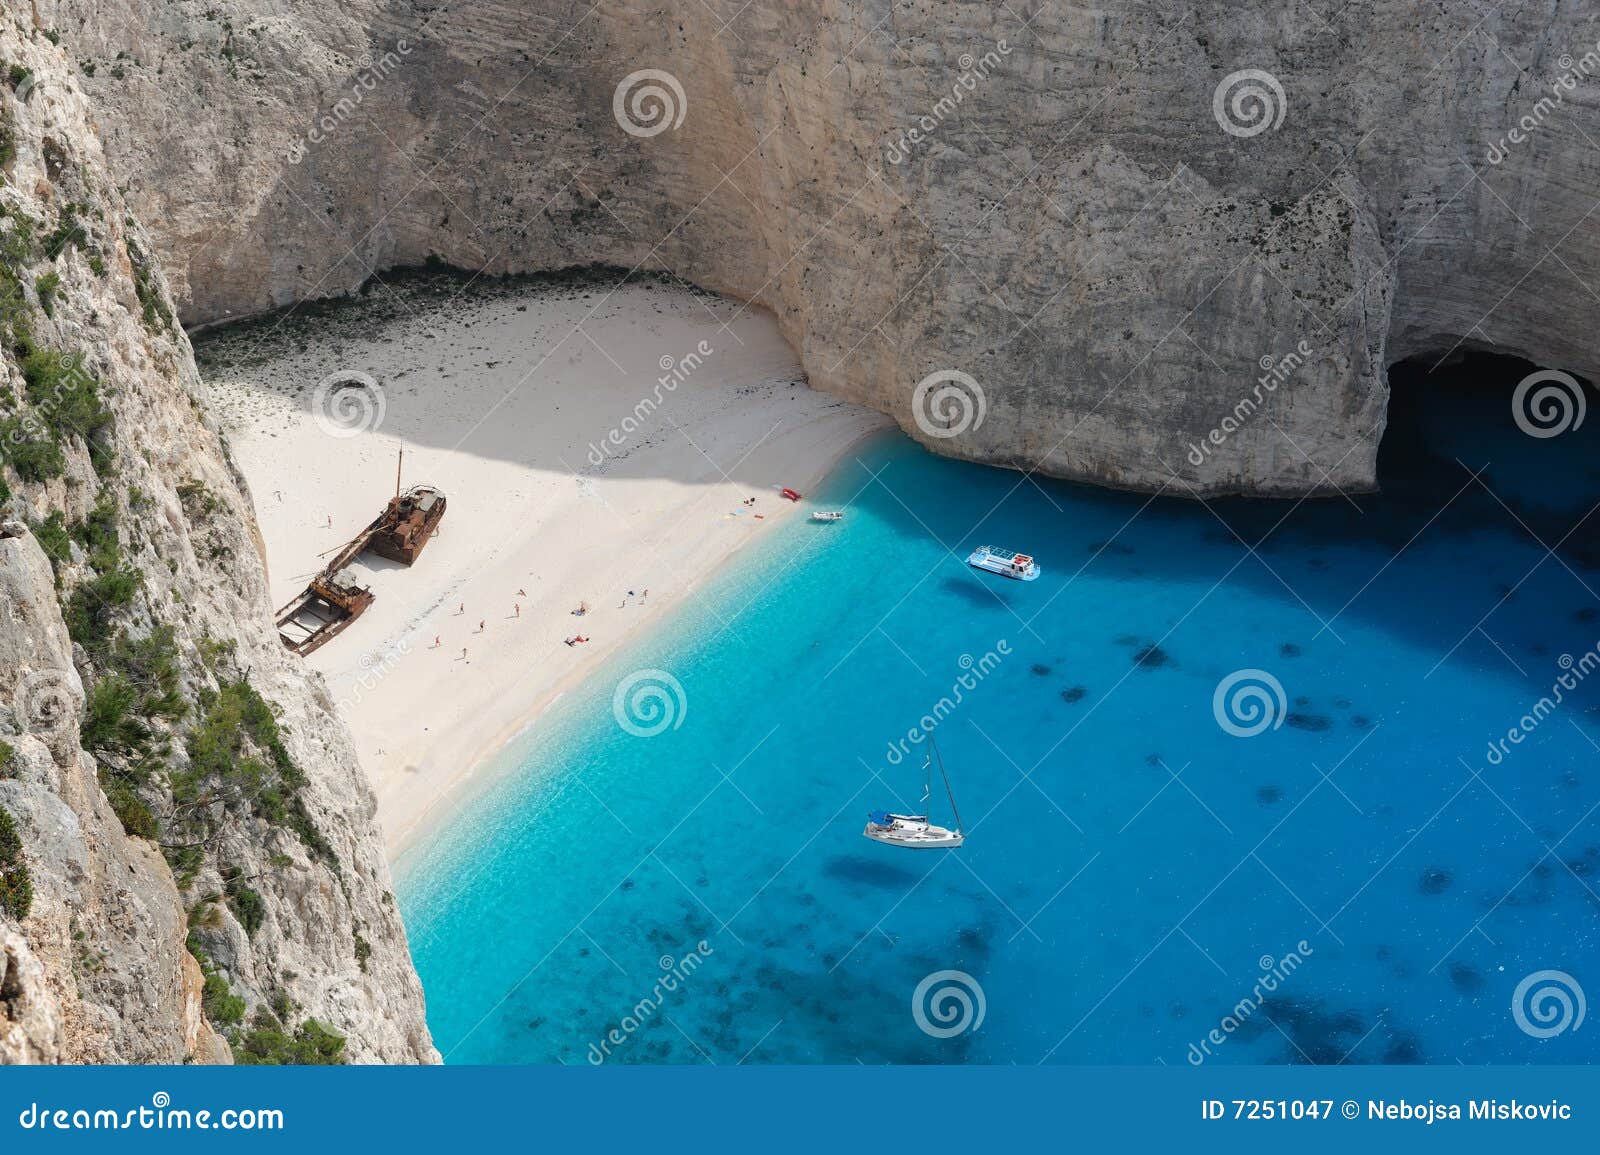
(1497, 430)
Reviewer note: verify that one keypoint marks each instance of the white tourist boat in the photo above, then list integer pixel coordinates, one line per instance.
(828, 515)
(914, 831)
(1004, 562)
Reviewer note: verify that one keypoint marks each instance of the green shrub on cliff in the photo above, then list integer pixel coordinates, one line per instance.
(47, 286)
(237, 757)
(219, 1004)
(157, 317)
(268, 1043)
(16, 884)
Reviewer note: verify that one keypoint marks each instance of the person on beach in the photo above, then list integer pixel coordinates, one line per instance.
(461, 609)
(522, 593)
(436, 641)
(583, 608)
(643, 596)
(480, 625)
(463, 653)
(516, 609)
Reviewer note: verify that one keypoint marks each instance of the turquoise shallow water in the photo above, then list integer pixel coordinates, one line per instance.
(1131, 866)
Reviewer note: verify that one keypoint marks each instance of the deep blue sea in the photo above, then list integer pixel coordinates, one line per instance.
(1360, 881)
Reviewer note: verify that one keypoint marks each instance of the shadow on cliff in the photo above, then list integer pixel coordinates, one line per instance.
(580, 371)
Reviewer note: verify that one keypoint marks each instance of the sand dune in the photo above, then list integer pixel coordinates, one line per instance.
(591, 440)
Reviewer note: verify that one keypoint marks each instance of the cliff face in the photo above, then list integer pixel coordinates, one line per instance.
(188, 862)
(1068, 204)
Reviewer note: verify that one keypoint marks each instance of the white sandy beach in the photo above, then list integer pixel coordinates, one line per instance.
(503, 401)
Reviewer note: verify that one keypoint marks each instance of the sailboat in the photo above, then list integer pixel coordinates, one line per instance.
(914, 831)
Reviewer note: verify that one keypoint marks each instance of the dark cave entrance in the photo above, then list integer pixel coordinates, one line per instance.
(1530, 436)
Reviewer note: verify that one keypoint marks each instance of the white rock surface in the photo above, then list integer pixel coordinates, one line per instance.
(1077, 232)
(98, 971)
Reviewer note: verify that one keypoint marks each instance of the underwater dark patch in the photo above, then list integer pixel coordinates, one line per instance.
(1074, 694)
(869, 871)
(1151, 657)
(1434, 881)
(1289, 650)
(1464, 978)
(1269, 795)
(1313, 722)
(1040, 670)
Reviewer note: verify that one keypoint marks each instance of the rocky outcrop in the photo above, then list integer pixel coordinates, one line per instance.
(203, 876)
(1070, 205)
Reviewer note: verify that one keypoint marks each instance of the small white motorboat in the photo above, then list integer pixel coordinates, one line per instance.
(914, 831)
(828, 515)
(1019, 566)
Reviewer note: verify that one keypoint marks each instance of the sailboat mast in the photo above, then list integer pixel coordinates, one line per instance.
(950, 794)
(399, 462)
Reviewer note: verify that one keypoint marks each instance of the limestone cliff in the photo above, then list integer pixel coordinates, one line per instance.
(189, 867)
(1121, 221)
